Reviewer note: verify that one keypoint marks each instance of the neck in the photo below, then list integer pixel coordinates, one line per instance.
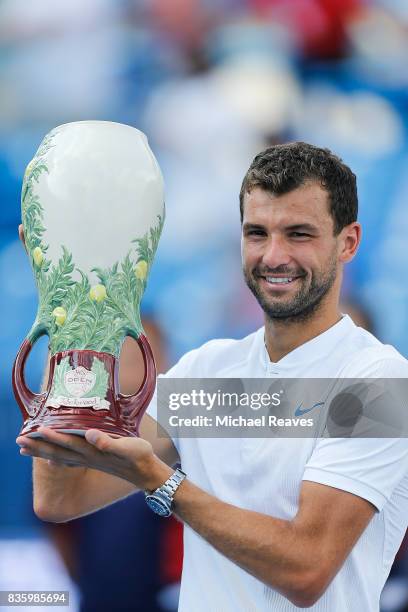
(282, 337)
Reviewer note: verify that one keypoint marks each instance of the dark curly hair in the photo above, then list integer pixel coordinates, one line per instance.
(284, 167)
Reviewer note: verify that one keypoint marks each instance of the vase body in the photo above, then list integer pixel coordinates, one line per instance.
(92, 213)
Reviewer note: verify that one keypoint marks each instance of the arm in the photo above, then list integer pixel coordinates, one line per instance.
(300, 557)
(297, 557)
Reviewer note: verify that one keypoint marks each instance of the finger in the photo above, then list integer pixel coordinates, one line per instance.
(46, 450)
(58, 464)
(48, 434)
(69, 441)
(101, 440)
(54, 463)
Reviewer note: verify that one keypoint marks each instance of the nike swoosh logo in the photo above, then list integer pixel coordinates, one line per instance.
(300, 412)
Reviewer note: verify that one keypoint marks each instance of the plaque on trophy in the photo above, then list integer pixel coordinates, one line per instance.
(92, 212)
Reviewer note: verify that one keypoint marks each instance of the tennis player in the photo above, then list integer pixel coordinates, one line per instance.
(271, 523)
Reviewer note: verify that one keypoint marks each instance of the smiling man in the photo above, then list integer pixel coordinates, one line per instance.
(300, 290)
(270, 523)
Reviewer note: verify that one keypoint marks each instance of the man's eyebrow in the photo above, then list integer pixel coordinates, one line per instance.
(295, 227)
(247, 226)
(309, 227)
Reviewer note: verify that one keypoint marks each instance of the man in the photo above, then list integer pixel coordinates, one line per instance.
(270, 524)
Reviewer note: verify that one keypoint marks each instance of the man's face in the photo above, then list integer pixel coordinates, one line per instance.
(289, 252)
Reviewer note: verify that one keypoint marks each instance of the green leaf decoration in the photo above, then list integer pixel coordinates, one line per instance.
(37, 170)
(101, 380)
(80, 314)
(55, 286)
(87, 324)
(32, 211)
(147, 245)
(124, 292)
(155, 233)
(58, 385)
(143, 248)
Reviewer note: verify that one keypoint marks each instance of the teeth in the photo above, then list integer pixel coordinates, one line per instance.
(272, 279)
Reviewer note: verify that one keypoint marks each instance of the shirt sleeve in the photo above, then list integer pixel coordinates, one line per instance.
(368, 467)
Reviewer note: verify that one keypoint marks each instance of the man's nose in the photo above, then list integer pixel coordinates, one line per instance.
(276, 252)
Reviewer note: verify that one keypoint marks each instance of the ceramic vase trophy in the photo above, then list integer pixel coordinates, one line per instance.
(92, 212)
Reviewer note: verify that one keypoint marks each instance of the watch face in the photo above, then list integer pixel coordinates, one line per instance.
(157, 506)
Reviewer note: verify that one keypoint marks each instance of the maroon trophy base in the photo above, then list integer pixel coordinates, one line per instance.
(119, 415)
(78, 423)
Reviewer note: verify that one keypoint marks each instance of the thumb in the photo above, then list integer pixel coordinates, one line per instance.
(97, 438)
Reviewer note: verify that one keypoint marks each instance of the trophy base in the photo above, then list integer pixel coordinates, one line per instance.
(76, 425)
(108, 410)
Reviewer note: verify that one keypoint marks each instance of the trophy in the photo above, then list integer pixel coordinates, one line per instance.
(92, 212)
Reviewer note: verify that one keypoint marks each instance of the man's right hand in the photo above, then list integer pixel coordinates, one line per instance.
(130, 458)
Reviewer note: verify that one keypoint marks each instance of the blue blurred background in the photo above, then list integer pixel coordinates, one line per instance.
(211, 83)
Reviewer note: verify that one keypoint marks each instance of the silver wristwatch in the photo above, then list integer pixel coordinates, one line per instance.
(161, 500)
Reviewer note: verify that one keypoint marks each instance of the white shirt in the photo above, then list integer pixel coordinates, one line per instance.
(266, 474)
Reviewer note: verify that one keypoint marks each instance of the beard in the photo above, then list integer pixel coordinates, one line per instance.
(304, 303)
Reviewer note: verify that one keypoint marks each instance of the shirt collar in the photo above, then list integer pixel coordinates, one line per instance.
(313, 350)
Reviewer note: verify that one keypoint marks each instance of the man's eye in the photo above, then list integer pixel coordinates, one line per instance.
(255, 233)
(300, 235)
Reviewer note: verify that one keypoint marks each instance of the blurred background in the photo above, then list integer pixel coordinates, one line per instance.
(211, 83)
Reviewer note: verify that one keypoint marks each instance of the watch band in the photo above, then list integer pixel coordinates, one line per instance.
(172, 484)
(161, 500)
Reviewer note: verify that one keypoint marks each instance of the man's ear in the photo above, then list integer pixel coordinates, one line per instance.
(21, 235)
(350, 241)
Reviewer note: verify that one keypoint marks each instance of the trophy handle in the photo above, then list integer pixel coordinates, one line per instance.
(134, 406)
(29, 402)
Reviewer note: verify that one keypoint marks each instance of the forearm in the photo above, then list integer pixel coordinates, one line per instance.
(53, 488)
(273, 550)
